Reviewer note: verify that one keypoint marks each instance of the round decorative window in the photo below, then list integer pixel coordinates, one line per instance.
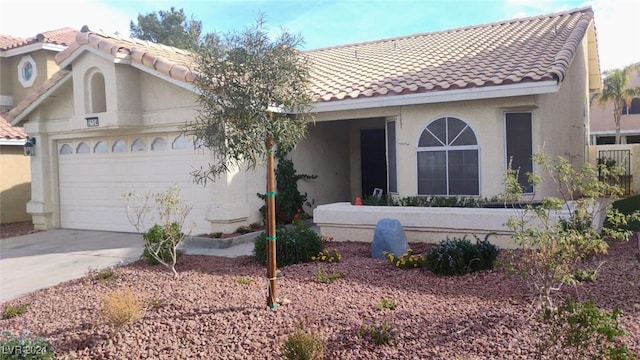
(27, 71)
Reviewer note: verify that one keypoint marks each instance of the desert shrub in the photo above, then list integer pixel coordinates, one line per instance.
(579, 330)
(328, 278)
(120, 308)
(303, 345)
(105, 275)
(386, 304)
(160, 243)
(585, 275)
(408, 260)
(244, 281)
(168, 212)
(552, 249)
(256, 226)
(376, 333)
(243, 230)
(459, 256)
(156, 303)
(328, 256)
(294, 245)
(11, 311)
(25, 347)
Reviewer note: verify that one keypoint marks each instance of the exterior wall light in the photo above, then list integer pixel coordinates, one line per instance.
(29, 146)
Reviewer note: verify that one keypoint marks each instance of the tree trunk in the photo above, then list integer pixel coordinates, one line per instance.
(617, 115)
(272, 301)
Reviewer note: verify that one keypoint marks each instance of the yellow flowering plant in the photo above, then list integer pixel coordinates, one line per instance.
(328, 256)
(408, 260)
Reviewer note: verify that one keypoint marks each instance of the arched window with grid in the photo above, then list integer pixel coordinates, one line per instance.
(448, 159)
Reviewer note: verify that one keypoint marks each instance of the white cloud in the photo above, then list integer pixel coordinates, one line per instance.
(25, 18)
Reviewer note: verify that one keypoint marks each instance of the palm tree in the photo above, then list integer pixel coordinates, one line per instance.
(616, 89)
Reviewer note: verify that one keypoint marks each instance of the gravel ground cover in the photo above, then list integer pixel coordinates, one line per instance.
(208, 314)
(15, 229)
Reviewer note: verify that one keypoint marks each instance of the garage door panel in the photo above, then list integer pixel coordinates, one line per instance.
(92, 186)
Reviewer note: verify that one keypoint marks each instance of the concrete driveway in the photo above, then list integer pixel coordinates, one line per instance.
(44, 259)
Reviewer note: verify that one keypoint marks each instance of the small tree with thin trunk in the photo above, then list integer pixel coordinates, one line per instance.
(253, 96)
(616, 90)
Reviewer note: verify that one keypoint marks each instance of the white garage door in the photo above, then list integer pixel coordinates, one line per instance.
(95, 173)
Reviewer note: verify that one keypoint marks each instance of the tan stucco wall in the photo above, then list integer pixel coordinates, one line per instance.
(324, 153)
(6, 85)
(45, 67)
(15, 181)
(165, 103)
(138, 105)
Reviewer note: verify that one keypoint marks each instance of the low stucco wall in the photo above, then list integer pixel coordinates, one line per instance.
(343, 222)
(15, 184)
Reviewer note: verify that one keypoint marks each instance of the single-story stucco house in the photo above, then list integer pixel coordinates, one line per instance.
(426, 114)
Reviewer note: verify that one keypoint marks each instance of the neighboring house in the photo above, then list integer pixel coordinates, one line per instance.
(603, 128)
(15, 178)
(24, 65)
(428, 114)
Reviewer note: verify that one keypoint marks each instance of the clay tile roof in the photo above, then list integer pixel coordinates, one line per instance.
(167, 60)
(10, 132)
(517, 51)
(64, 36)
(35, 94)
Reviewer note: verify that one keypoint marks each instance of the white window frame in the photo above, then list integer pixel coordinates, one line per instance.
(447, 148)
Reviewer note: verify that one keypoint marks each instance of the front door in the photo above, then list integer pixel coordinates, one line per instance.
(373, 161)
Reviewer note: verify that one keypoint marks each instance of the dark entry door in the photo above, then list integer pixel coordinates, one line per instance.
(374, 161)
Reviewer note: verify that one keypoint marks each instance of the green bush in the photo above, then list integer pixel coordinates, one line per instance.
(303, 345)
(385, 304)
(328, 278)
(161, 241)
(24, 347)
(11, 311)
(582, 331)
(459, 256)
(424, 201)
(294, 245)
(626, 207)
(377, 333)
(289, 200)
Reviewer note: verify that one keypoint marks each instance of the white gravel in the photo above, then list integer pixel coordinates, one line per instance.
(208, 314)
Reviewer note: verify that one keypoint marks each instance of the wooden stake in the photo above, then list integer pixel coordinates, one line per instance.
(271, 226)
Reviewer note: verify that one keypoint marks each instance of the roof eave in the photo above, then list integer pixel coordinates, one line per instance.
(475, 93)
(18, 118)
(13, 142)
(31, 48)
(185, 85)
(595, 73)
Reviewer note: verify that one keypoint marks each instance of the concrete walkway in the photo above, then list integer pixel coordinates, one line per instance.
(44, 259)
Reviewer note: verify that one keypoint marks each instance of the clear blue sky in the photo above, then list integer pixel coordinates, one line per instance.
(325, 23)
